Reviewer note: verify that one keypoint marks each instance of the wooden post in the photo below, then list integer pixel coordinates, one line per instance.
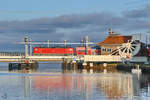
(84, 65)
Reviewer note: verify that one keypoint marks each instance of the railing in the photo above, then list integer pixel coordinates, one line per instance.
(102, 58)
(12, 54)
(53, 54)
(17, 56)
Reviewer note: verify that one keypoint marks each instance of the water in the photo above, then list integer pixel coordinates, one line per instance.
(50, 82)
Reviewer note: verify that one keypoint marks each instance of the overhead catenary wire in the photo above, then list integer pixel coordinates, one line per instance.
(55, 43)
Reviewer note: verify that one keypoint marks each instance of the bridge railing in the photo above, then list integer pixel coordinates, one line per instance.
(23, 54)
(52, 55)
(102, 58)
(12, 54)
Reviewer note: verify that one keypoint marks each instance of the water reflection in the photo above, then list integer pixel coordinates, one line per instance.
(110, 86)
(73, 85)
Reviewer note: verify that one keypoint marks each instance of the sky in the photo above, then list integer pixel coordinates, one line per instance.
(71, 20)
(30, 9)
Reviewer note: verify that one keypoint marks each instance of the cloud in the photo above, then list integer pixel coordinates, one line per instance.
(138, 13)
(68, 24)
(74, 27)
(137, 19)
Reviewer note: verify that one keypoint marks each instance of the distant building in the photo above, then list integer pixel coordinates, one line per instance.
(112, 42)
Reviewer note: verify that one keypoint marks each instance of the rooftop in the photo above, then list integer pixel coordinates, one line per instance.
(115, 39)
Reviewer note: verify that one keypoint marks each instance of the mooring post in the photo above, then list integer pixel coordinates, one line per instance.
(105, 69)
(75, 65)
(91, 71)
(91, 65)
(84, 65)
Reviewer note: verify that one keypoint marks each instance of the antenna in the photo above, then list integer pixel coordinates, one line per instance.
(110, 31)
(86, 47)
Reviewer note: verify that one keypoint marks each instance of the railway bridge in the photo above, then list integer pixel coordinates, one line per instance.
(20, 57)
(130, 49)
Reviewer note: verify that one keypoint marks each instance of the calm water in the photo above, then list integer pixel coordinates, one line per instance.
(49, 82)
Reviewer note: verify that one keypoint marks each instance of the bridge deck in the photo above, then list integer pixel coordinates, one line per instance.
(85, 58)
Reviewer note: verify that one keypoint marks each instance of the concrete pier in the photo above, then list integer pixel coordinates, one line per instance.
(20, 66)
(89, 67)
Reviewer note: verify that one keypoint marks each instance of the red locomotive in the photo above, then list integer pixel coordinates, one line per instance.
(65, 51)
(53, 51)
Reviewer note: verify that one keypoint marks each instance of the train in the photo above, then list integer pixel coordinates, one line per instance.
(62, 51)
(148, 48)
(79, 50)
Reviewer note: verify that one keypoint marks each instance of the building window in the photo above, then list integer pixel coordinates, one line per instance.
(104, 49)
(108, 50)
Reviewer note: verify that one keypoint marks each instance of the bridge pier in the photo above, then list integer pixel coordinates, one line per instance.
(21, 66)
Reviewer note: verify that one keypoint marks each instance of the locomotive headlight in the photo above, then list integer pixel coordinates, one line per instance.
(70, 49)
(36, 49)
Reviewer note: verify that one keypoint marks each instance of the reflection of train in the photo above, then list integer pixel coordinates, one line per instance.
(62, 82)
(112, 86)
(66, 51)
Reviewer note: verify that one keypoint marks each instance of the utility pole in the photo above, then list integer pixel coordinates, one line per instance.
(48, 43)
(148, 38)
(26, 40)
(86, 46)
(30, 47)
(146, 41)
(82, 42)
(65, 43)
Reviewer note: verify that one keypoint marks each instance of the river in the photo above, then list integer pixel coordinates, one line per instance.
(50, 82)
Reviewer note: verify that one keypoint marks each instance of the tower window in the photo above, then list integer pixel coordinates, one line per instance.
(104, 49)
(108, 50)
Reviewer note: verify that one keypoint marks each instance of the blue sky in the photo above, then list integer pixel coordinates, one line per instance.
(29, 9)
(58, 20)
